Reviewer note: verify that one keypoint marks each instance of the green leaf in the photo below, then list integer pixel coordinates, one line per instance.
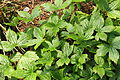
(23, 39)
(99, 70)
(35, 12)
(113, 55)
(85, 24)
(78, 30)
(117, 30)
(63, 60)
(103, 36)
(58, 3)
(14, 22)
(67, 49)
(96, 21)
(110, 73)
(6, 46)
(72, 36)
(2, 77)
(97, 37)
(78, 0)
(60, 54)
(116, 42)
(49, 44)
(115, 4)
(24, 14)
(99, 60)
(32, 76)
(108, 29)
(108, 22)
(69, 27)
(71, 8)
(9, 72)
(49, 7)
(4, 62)
(78, 56)
(38, 33)
(82, 79)
(62, 24)
(38, 43)
(30, 43)
(65, 4)
(55, 42)
(31, 55)
(11, 36)
(67, 61)
(54, 19)
(89, 33)
(16, 57)
(46, 59)
(26, 60)
(57, 74)
(20, 73)
(103, 50)
(26, 20)
(42, 22)
(45, 76)
(103, 4)
(53, 31)
(29, 17)
(82, 58)
(114, 14)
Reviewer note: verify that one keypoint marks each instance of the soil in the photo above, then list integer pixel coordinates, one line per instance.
(30, 5)
(11, 6)
(87, 7)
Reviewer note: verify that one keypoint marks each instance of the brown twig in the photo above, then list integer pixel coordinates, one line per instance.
(3, 28)
(33, 3)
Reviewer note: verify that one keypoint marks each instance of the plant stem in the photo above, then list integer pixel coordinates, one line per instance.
(3, 28)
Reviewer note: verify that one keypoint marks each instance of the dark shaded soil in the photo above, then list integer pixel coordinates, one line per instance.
(87, 7)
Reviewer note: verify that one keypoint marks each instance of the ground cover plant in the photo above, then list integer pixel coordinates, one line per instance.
(80, 40)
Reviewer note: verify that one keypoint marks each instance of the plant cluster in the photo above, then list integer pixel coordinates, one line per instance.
(72, 46)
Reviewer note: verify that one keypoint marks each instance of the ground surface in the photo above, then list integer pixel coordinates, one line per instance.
(8, 9)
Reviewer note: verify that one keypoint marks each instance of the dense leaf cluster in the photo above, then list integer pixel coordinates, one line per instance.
(73, 46)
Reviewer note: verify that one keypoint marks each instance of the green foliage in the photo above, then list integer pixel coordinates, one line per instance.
(25, 16)
(66, 51)
(114, 14)
(103, 4)
(59, 4)
(72, 46)
(78, 0)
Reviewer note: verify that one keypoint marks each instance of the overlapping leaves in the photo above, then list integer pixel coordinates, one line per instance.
(76, 46)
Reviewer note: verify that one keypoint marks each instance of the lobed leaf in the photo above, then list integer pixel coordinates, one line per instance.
(35, 12)
(99, 70)
(103, 50)
(11, 36)
(7, 46)
(113, 55)
(116, 42)
(49, 7)
(114, 14)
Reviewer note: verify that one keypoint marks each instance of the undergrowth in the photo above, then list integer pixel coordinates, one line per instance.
(77, 45)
